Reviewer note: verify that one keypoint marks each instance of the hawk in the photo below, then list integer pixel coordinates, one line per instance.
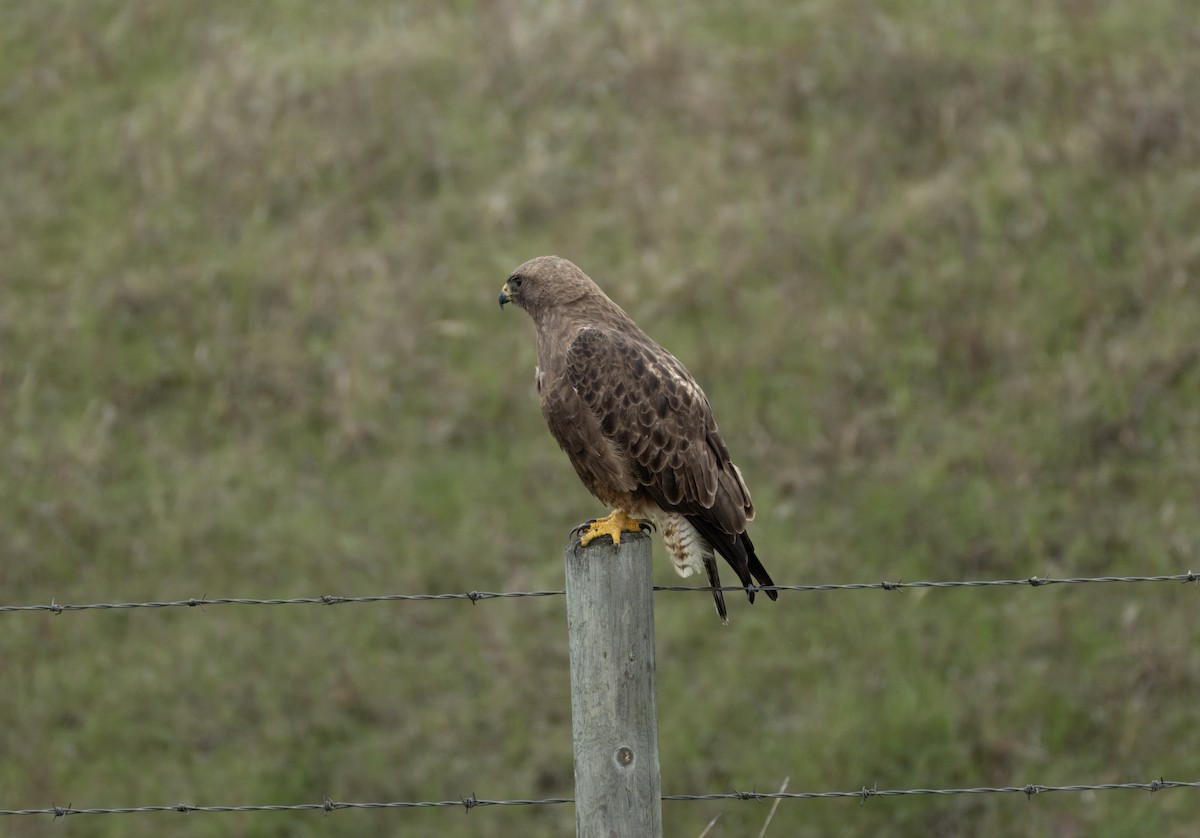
(636, 426)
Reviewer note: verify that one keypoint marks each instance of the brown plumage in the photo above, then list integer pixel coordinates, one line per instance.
(637, 428)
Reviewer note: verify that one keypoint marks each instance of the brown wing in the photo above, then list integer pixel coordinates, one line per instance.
(650, 407)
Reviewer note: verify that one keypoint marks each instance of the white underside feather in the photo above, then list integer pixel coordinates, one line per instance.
(686, 547)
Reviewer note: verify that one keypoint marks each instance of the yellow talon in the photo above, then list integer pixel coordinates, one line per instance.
(616, 523)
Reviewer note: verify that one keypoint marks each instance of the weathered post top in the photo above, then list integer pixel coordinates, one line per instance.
(614, 714)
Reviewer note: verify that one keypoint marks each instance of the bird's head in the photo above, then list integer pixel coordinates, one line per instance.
(545, 282)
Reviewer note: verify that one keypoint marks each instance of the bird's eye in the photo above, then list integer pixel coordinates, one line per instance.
(514, 281)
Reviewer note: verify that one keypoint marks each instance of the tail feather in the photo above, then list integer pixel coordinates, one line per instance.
(738, 550)
(714, 581)
(756, 568)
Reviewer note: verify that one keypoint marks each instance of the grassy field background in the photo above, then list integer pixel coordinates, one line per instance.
(936, 265)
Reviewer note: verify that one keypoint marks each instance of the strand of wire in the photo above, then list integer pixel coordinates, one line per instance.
(476, 596)
(472, 802)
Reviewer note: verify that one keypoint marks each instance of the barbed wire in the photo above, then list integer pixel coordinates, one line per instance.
(202, 601)
(1031, 582)
(864, 793)
(472, 802)
(477, 596)
(328, 805)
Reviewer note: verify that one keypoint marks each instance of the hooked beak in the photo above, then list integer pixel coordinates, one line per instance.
(504, 298)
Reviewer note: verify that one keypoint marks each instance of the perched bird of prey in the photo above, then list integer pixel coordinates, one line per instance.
(636, 426)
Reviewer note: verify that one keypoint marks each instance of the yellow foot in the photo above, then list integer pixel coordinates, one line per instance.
(612, 526)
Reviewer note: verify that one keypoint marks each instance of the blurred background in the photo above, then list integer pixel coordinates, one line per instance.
(934, 263)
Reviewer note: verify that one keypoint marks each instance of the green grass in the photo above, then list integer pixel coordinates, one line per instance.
(935, 264)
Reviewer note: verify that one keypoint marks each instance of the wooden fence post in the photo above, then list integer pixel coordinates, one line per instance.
(614, 713)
